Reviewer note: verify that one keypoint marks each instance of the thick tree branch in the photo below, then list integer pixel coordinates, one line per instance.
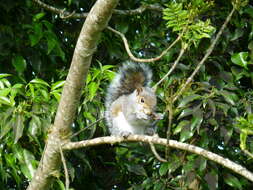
(172, 143)
(67, 15)
(95, 22)
(209, 51)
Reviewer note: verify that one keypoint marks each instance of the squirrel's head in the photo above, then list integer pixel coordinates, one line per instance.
(146, 99)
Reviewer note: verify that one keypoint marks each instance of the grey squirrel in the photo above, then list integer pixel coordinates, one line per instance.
(130, 101)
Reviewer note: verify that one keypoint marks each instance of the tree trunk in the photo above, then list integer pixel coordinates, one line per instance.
(50, 162)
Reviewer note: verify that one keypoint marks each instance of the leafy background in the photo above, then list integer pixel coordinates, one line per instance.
(36, 47)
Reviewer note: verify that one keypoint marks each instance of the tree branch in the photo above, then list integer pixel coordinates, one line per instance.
(209, 51)
(172, 68)
(158, 157)
(172, 143)
(65, 169)
(67, 15)
(95, 22)
(139, 59)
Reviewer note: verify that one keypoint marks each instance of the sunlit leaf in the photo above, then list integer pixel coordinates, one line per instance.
(5, 100)
(34, 126)
(93, 87)
(186, 112)
(233, 181)
(180, 126)
(2, 75)
(240, 59)
(57, 84)
(39, 81)
(18, 127)
(29, 166)
(38, 16)
(185, 134)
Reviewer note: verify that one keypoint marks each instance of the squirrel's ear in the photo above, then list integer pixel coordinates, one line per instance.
(139, 90)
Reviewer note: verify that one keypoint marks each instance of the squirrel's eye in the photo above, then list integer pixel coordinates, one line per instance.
(142, 100)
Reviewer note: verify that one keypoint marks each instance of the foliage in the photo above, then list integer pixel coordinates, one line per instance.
(36, 47)
(180, 19)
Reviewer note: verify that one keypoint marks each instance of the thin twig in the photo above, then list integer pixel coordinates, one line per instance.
(209, 51)
(60, 11)
(139, 59)
(158, 157)
(65, 169)
(248, 153)
(78, 132)
(172, 68)
(74, 15)
(168, 133)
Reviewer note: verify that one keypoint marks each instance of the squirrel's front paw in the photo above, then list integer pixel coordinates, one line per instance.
(125, 134)
(150, 131)
(157, 116)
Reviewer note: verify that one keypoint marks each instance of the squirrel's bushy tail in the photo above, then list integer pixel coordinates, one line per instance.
(129, 77)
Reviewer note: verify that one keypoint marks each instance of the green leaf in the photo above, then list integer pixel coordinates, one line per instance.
(238, 73)
(5, 92)
(50, 45)
(57, 94)
(5, 100)
(38, 16)
(186, 112)
(45, 94)
(39, 81)
(159, 186)
(2, 75)
(188, 99)
(93, 87)
(58, 84)
(5, 128)
(179, 127)
(240, 59)
(233, 181)
(19, 63)
(163, 169)
(202, 162)
(37, 35)
(243, 139)
(107, 67)
(35, 126)
(17, 86)
(186, 134)
(61, 185)
(212, 106)
(230, 97)
(18, 127)
(137, 169)
(238, 33)
(29, 166)
(122, 27)
(6, 83)
(196, 121)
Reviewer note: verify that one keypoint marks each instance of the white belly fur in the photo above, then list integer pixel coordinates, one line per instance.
(121, 124)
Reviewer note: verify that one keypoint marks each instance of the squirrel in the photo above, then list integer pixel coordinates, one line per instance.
(130, 101)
